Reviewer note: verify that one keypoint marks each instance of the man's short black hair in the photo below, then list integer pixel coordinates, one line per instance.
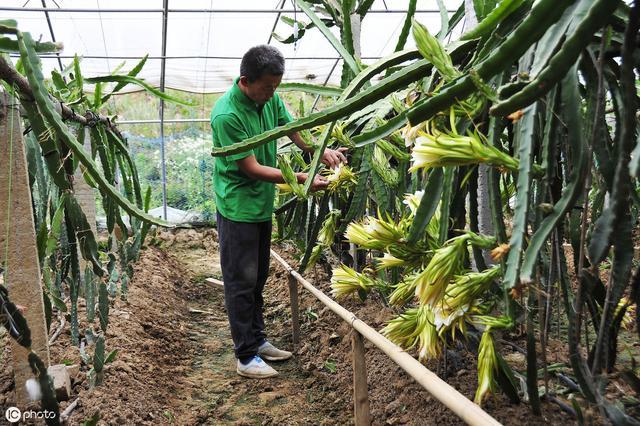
(261, 60)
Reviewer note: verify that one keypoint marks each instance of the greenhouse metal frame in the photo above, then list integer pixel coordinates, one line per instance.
(165, 11)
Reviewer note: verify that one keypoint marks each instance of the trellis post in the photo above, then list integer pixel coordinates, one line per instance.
(19, 253)
(295, 309)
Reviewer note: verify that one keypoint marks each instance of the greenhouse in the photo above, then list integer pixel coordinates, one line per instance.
(325, 212)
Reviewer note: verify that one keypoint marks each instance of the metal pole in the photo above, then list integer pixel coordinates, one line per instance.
(275, 23)
(162, 78)
(325, 58)
(325, 83)
(115, 10)
(177, 120)
(53, 36)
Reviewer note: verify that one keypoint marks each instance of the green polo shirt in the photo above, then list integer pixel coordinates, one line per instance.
(235, 118)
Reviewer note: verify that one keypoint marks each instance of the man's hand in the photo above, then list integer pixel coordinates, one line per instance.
(319, 182)
(333, 158)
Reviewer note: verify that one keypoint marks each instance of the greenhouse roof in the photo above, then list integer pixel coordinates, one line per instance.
(203, 41)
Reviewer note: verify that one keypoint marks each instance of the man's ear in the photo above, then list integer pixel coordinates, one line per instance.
(244, 80)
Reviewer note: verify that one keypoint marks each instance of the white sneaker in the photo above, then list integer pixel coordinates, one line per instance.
(271, 353)
(256, 369)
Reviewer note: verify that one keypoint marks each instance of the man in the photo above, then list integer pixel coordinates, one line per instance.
(245, 190)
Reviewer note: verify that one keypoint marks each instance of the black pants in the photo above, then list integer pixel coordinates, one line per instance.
(244, 256)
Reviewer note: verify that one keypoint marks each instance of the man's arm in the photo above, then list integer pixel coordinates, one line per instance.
(250, 167)
(331, 158)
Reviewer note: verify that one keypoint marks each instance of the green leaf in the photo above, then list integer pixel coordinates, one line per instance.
(364, 7)
(57, 302)
(506, 380)
(561, 61)
(146, 86)
(347, 33)
(340, 109)
(41, 240)
(78, 80)
(380, 132)
(54, 231)
(314, 89)
(548, 44)
(86, 239)
(381, 191)
(330, 365)
(47, 145)
(525, 134)
(11, 46)
(34, 74)
(12, 23)
(360, 193)
(571, 103)
(97, 96)
(103, 306)
(491, 21)
(428, 205)
(445, 205)
(444, 20)
(111, 357)
(348, 58)
(93, 420)
(544, 14)
(302, 29)
(406, 26)
(323, 209)
(134, 71)
(123, 150)
(98, 356)
(58, 81)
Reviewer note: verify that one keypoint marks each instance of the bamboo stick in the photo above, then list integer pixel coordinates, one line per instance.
(441, 390)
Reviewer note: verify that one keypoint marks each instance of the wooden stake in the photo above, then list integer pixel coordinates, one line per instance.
(361, 411)
(18, 250)
(295, 309)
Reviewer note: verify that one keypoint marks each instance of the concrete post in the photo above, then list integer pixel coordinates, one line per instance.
(18, 250)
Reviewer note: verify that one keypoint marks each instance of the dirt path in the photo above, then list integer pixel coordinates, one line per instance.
(175, 361)
(218, 394)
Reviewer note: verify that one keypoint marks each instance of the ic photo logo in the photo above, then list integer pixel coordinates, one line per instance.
(13, 414)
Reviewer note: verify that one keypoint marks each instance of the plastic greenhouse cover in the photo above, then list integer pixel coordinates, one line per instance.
(205, 39)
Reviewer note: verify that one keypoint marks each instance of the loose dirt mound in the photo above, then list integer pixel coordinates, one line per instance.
(149, 334)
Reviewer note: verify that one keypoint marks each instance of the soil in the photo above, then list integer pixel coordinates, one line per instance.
(175, 362)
